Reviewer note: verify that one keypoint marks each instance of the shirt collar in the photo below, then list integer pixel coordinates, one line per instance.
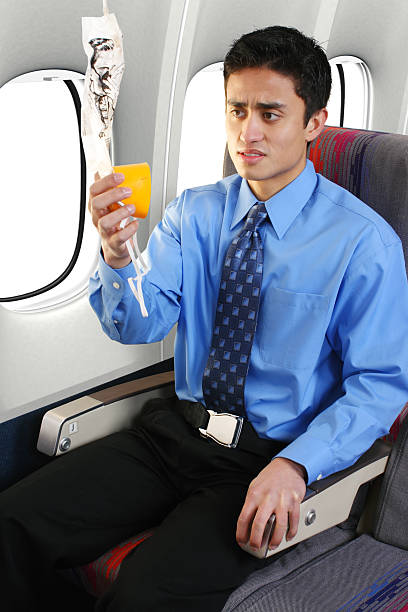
(284, 206)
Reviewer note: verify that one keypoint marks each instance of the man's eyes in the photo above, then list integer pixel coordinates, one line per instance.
(236, 112)
(268, 115)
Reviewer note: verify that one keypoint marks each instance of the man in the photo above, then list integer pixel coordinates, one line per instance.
(282, 285)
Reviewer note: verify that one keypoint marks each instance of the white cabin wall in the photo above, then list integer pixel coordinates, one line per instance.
(219, 23)
(48, 356)
(376, 32)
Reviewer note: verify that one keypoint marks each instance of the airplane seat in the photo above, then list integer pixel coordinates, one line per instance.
(374, 167)
(368, 572)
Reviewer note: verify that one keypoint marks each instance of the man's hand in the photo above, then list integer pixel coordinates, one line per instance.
(107, 216)
(278, 489)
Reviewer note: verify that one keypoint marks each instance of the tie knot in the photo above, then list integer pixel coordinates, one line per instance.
(256, 215)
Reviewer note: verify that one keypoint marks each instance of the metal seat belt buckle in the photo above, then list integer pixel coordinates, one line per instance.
(223, 428)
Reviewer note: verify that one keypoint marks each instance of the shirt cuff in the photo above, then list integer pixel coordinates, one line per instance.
(109, 275)
(118, 293)
(115, 289)
(313, 454)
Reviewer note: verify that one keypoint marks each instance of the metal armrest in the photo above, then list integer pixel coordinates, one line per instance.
(91, 417)
(328, 501)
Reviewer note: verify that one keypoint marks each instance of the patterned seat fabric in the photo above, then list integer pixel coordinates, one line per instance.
(396, 426)
(374, 167)
(97, 576)
(376, 580)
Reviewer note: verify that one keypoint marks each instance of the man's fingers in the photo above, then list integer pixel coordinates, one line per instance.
(258, 526)
(294, 515)
(107, 182)
(109, 224)
(126, 233)
(101, 185)
(280, 528)
(113, 219)
(116, 244)
(277, 490)
(101, 202)
(108, 217)
(244, 523)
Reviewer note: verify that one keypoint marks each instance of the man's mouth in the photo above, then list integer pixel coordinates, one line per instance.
(251, 155)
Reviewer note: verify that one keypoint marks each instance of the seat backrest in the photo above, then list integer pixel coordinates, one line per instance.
(371, 165)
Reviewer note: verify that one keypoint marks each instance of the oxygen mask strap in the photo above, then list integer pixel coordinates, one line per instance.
(140, 268)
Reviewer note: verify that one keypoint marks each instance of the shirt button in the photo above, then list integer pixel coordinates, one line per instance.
(116, 285)
(115, 321)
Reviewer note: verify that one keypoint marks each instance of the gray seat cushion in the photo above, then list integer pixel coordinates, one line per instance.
(250, 594)
(363, 574)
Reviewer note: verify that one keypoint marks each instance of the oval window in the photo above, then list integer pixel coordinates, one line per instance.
(350, 99)
(42, 220)
(203, 138)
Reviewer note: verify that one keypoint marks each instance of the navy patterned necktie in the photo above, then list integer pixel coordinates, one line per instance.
(235, 318)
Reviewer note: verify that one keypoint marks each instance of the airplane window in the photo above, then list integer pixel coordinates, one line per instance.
(349, 103)
(44, 234)
(203, 137)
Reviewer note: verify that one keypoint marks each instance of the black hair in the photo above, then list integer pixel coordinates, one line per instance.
(289, 52)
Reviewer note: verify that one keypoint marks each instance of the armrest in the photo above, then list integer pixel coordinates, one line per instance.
(328, 501)
(91, 417)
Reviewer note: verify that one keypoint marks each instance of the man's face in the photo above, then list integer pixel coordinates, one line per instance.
(265, 129)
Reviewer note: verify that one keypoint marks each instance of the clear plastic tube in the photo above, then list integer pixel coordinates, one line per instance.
(136, 257)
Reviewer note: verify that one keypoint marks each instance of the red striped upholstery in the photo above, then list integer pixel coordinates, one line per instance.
(99, 575)
(396, 426)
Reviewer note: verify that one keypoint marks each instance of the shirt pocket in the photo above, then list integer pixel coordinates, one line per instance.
(292, 327)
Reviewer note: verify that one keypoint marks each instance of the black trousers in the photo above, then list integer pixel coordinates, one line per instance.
(163, 474)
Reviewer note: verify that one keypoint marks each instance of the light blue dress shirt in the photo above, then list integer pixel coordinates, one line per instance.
(329, 365)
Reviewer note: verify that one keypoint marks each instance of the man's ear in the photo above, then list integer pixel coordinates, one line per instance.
(315, 124)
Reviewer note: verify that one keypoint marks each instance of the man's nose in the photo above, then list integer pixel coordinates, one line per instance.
(251, 129)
